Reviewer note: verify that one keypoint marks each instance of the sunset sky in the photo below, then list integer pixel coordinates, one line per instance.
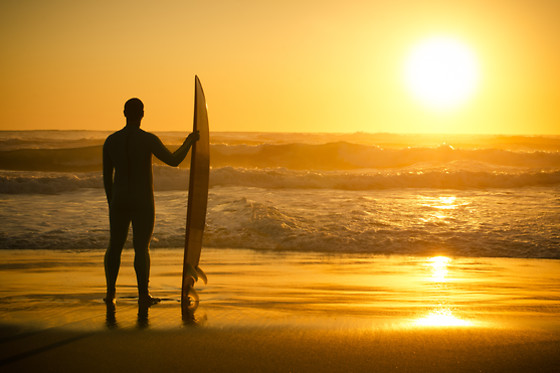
(291, 66)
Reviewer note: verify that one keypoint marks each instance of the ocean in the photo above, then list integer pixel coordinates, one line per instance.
(380, 194)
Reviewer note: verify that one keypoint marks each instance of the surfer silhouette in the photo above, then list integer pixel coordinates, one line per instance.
(128, 181)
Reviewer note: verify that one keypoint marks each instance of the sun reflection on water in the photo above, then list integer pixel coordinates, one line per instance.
(440, 208)
(440, 203)
(447, 203)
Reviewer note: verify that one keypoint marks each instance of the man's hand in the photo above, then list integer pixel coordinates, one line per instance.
(193, 136)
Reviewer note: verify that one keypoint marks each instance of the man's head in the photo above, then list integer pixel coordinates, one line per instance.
(134, 110)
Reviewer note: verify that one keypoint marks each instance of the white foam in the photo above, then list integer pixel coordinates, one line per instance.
(500, 222)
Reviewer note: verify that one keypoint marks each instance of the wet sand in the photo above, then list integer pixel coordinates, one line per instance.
(266, 311)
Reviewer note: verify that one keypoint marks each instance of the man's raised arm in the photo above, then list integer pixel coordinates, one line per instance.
(175, 158)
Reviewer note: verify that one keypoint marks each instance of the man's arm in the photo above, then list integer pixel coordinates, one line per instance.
(175, 158)
(107, 173)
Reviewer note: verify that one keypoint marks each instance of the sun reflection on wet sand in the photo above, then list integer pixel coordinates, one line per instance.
(439, 268)
(442, 315)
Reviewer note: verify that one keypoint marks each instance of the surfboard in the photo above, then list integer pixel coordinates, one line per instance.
(197, 202)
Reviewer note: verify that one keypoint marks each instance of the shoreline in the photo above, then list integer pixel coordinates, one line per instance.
(283, 288)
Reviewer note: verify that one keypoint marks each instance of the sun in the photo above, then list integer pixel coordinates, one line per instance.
(441, 72)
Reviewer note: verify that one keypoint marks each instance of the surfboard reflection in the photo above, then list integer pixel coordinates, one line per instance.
(189, 319)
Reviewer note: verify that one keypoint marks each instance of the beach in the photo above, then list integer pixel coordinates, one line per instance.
(324, 252)
(277, 311)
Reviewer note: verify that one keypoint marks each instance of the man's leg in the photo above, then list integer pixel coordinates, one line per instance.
(119, 223)
(143, 226)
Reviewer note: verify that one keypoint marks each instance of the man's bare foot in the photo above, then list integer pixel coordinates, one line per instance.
(148, 300)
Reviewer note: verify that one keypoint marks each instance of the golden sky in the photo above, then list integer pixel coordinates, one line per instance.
(291, 65)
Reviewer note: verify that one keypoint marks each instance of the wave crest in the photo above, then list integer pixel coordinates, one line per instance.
(330, 156)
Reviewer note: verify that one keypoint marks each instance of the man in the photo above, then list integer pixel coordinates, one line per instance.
(128, 181)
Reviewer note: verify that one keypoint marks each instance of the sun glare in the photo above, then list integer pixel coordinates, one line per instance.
(441, 72)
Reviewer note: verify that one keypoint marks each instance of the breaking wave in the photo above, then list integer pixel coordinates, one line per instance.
(167, 178)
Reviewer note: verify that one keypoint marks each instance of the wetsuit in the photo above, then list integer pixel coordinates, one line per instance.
(128, 181)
